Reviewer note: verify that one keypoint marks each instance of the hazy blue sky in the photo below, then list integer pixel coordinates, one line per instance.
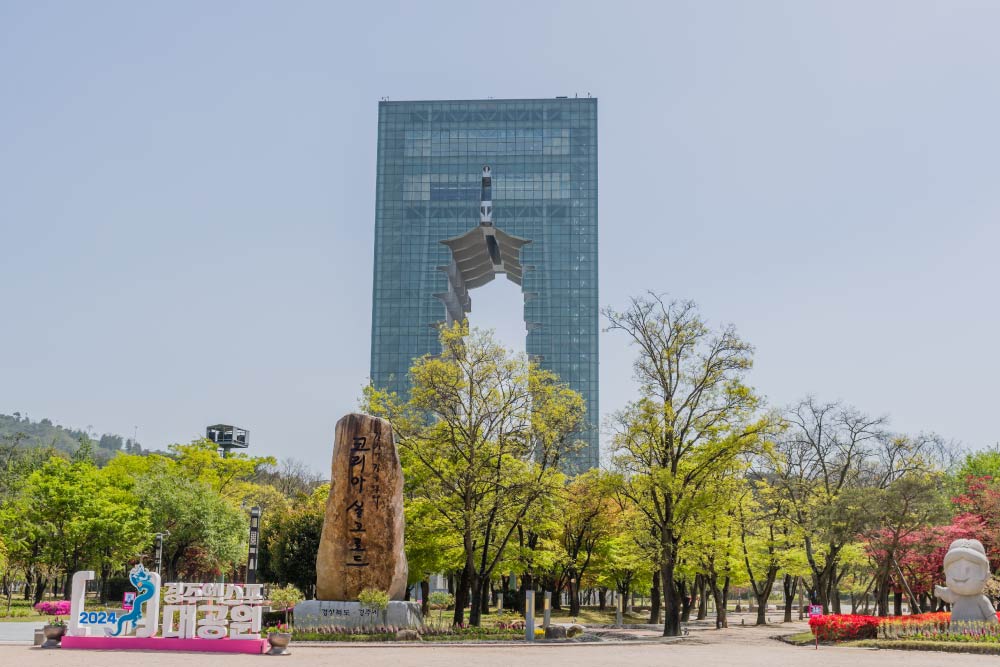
(186, 208)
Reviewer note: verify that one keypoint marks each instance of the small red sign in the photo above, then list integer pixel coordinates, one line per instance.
(127, 601)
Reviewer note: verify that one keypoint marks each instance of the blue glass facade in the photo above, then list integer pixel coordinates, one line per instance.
(543, 156)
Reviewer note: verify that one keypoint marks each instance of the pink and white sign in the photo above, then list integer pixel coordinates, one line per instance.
(211, 617)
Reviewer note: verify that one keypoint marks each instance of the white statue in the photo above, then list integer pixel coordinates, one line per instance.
(966, 571)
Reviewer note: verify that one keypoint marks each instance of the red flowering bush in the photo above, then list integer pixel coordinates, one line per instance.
(936, 625)
(841, 627)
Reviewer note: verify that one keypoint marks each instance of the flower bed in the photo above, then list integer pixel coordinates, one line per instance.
(842, 627)
(938, 627)
(54, 608)
(927, 627)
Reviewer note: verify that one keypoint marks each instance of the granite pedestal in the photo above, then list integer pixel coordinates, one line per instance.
(329, 613)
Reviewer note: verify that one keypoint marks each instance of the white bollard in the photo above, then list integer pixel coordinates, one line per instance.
(529, 616)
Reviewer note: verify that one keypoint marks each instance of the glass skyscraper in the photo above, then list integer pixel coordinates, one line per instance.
(469, 190)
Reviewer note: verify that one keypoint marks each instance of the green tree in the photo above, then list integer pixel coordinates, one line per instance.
(207, 531)
(830, 457)
(3, 556)
(229, 476)
(624, 562)
(291, 540)
(694, 418)
(709, 552)
(985, 463)
(431, 546)
(762, 542)
(586, 523)
(70, 515)
(912, 502)
(480, 439)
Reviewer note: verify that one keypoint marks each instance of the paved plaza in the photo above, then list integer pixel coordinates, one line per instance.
(736, 647)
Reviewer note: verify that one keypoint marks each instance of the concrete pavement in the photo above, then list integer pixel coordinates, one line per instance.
(735, 647)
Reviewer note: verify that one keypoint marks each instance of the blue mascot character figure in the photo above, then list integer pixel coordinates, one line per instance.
(146, 589)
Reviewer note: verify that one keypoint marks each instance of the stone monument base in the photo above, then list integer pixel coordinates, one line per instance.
(332, 613)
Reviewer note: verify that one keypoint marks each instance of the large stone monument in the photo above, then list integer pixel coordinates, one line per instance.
(362, 542)
(966, 571)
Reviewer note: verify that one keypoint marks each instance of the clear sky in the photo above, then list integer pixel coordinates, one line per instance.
(186, 208)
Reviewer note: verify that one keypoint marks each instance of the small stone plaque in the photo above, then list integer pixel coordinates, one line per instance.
(325, 613)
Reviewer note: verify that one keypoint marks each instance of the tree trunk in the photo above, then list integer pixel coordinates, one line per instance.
(105, 575)
(720, 596)
(821, 589)
(654, 602)
(462, 593)
(485, 597)
(763, 594)
(10, 591)
(28, 580)
(40, 586)
(574, 598)
(425, 592)
(682, 591)
(476, 603)
(527, 583)
(882, 589)
(699, 592)
(602, 598)
(789, 586)
(897, 603)
(671, 601)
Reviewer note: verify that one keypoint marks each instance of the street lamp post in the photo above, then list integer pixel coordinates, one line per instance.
(254, 538)
(158, 549)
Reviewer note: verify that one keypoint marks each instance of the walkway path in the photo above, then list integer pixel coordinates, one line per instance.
(735, 647)
(15, 631)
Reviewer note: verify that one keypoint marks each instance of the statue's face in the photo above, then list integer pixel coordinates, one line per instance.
(966, 577)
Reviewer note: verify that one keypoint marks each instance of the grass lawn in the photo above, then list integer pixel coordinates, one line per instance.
(594, 616)
(20, 610)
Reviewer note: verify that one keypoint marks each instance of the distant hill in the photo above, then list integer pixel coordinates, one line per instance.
(15, 429)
